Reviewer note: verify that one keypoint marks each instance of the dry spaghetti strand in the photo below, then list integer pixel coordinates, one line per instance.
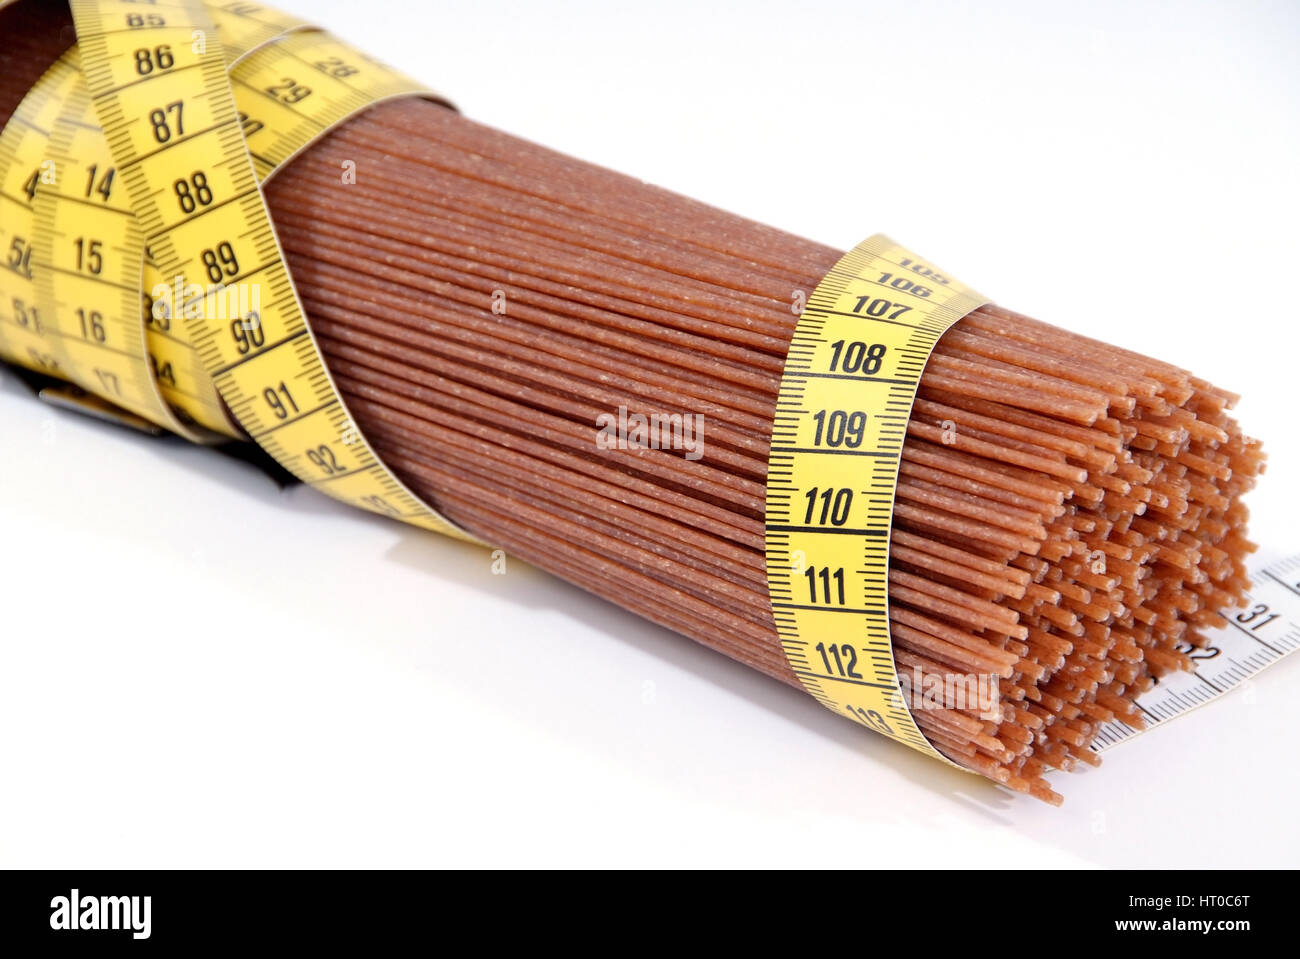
(1069, 513)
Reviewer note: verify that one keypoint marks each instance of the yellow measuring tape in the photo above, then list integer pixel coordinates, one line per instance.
(138, 143)
(24, 170)
(131, 172)
(850, 379)
(79, 309)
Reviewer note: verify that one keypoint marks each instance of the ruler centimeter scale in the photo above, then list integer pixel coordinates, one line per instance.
(74, 287)
(174, 149)
(24, 146)
(87, 257)
(1250, 640)
(851, 376)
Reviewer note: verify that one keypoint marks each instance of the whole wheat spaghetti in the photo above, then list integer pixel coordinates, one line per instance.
(1068, 514)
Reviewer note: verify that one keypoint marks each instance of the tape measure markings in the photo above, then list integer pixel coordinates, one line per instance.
(88, 289)
(103, 341)
(245, 30)
(847, 389)
(230, 244)
(24, 170)
(351, 82)
(1251, 639)
(241, 32)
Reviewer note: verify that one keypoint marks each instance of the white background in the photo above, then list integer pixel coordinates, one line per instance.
(197, 669)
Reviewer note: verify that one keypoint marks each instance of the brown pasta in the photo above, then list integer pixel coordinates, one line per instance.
(1082, 529)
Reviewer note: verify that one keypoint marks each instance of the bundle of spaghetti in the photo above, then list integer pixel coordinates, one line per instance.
(1068, 516)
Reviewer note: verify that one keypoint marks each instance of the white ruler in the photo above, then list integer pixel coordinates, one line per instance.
(1252, 639)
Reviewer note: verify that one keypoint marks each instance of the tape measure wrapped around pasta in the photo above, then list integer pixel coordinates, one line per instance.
(965, 529)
